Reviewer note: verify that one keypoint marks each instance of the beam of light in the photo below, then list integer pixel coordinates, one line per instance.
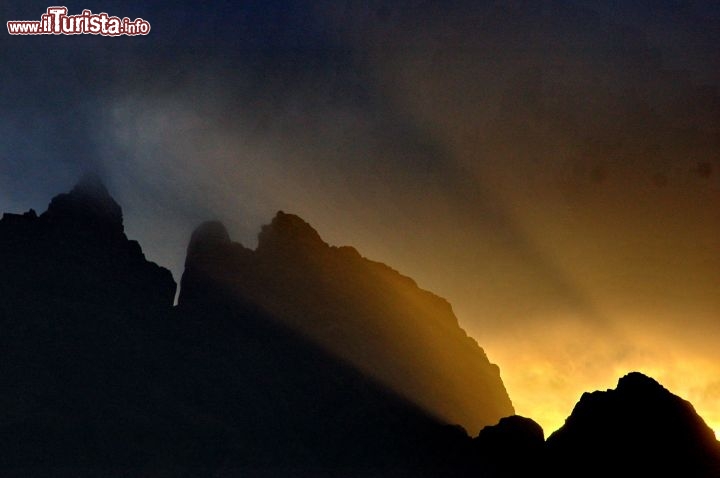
(562, 236)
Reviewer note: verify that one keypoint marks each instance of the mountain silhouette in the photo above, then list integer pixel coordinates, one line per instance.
(101, 375)
(363, 312)
(77, 248)
(637, 429)
(80, 310)
(265, 367)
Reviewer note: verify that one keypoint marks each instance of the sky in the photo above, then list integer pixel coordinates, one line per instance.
(550, 167)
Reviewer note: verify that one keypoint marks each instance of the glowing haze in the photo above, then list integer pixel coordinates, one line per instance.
(551, 168)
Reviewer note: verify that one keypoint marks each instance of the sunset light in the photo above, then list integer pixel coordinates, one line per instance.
(331, 238)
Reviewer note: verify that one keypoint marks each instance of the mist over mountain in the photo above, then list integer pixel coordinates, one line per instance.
(294, 359)
(361, 311)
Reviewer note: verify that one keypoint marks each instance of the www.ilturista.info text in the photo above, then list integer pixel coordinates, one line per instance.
(56, 21)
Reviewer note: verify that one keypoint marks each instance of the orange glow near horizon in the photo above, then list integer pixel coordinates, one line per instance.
(586, 242)
(545, 379)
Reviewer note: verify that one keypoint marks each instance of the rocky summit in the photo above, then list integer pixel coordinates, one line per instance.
(362, 312)
(77, 250)
(637, 429)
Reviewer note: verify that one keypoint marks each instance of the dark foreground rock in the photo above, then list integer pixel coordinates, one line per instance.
(637, 429)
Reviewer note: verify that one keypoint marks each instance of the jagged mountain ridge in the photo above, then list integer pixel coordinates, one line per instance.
(101, 376)
(364, 312)
(100, 372)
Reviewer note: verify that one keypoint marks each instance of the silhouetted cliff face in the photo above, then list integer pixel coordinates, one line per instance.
(638, 429)
(79, 309)
(361, 311)
(77, 250)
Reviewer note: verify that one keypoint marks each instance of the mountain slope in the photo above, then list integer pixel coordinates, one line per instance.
(361, 311)
(100, 375)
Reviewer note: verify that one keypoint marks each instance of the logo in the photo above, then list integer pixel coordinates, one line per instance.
(56, 21)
